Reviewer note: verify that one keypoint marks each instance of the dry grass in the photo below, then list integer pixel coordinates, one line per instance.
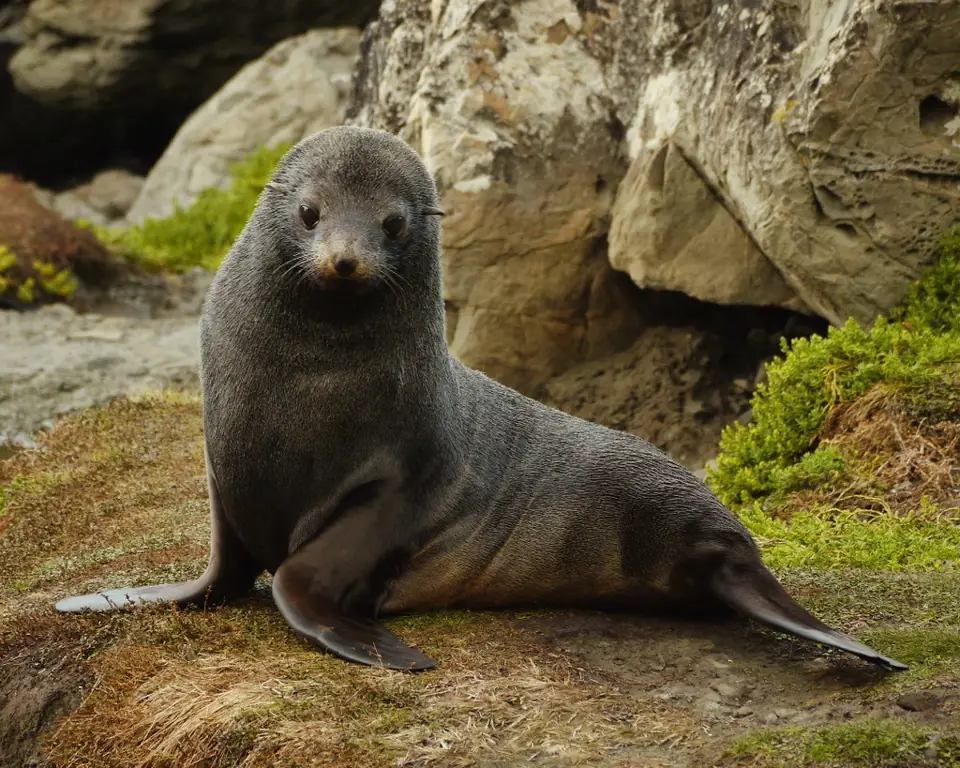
(899, 463)
(270, 701)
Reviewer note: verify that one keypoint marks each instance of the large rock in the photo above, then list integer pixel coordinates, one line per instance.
(510, 112)
(821, 141)
(803, 156)
(104, 200)
(670, 231)
(97, 82)
(148, 55)
(299, 86)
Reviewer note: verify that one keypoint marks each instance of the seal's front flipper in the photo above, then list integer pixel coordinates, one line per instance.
(230, 572)
(751, 589)
(319, 620)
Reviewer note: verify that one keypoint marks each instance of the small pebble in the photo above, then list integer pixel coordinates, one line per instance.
(918, 701)
(726, 690)
(744, 712)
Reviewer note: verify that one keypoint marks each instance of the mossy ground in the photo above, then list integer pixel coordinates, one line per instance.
(116, 496)
(876, 744)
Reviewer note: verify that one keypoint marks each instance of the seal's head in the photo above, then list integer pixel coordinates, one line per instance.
(355, 209)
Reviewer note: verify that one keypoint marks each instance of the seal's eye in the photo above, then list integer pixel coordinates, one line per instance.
(309, 216)
(393, 226)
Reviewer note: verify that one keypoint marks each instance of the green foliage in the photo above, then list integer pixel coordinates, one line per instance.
(202, 234)
(62, 283)
(815, 375)
(824, 466)
(866, 742)
(58, 283)
(934, 302)
(7, 259)
(917, 349)
(832, 538)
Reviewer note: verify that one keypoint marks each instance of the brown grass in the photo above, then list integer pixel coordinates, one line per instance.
(264, 699)
(127, 479)
(899, 461)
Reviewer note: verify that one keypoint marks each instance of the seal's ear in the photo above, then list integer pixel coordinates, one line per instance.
(432, 212)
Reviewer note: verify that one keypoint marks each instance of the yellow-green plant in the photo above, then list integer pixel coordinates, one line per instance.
(202, 233)
(47, 279)
(916, 349)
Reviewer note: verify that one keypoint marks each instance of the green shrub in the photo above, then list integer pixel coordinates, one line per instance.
(201, 234)
(916, 349)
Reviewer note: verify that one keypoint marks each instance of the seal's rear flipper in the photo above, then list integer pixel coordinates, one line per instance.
(320, 621)
(230, 572)
(751, 589)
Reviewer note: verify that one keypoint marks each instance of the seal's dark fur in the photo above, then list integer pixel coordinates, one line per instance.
(352, 456)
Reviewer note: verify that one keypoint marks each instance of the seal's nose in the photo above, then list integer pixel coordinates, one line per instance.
(345, 266)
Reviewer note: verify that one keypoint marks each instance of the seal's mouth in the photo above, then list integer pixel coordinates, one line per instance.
(354, 285)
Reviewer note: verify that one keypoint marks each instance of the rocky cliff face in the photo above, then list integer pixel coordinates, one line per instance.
(795, 155)
(125, 73)
(518, 126)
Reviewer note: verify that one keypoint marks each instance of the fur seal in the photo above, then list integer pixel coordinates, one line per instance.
(372, 473)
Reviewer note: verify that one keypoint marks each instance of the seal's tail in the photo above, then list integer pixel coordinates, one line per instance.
(752, 590)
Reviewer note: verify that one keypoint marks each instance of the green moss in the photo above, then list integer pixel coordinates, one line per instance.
(873, 743)
(934, 301)
(879, 599)
(927, 646)
(201, 234)
(914, 352)
(869, 742)
(831, 538)
(767, 747)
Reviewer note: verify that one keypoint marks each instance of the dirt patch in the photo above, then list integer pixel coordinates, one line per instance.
(659, 389)
(32, 697)
(692, 371)
(42, 677)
